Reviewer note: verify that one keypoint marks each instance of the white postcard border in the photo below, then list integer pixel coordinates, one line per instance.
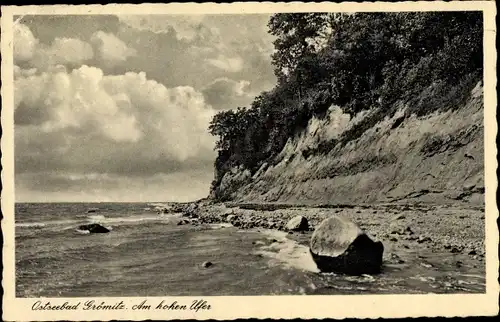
(285, 307)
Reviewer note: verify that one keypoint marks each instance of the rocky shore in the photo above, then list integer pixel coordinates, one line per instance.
(427, 228)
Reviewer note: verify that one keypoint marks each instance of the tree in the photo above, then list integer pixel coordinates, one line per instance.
(297, 39)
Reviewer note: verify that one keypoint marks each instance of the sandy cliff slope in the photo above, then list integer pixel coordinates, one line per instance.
(435, 158)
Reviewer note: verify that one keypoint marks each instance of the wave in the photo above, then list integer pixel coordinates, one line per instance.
(287, 252)
(71, 224)
(83, 232)
(31, 224)
(46, 223)
(220, 225)
(159, 205)
(96, 218)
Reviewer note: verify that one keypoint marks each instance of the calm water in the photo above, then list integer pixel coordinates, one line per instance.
(147, 254)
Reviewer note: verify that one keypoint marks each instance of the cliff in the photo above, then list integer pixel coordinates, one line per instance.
(436, 157)
(390, 109)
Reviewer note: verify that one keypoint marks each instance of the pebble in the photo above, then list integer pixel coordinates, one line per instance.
(397, 259)
(423, 239)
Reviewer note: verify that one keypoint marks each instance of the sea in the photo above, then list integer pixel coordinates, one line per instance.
(148, 254)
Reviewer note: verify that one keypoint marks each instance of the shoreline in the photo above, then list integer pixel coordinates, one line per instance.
(448, 229)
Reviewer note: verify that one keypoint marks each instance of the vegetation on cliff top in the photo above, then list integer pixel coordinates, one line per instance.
(356, 61)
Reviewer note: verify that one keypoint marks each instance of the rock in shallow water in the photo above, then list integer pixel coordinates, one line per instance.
(339, 245)
(94, 228)
(297, 223)
(206, 264)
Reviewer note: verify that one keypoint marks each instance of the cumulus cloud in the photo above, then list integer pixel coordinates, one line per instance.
(110, 48)
(110, 131)
(187, 27)
(202, 48)
(18, 71)
(224, 93)
(24, 43)
(58, 101)
(122, 124)
(107, 49)
(66, 51)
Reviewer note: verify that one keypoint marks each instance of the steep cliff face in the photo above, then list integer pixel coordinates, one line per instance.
(435, 158)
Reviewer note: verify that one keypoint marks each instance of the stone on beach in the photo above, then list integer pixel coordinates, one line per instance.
(398, 217)
(183, 222)
(94, 228)
(339, 245)
(231, 218)
(297, 223)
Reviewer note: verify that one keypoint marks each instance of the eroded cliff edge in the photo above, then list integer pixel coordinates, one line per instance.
(432, 158)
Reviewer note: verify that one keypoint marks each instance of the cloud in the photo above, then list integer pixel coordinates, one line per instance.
(72, 52)
(24, 43)
(30, 52)
(122, 124)
(110, 48)
(48, 27)
(229, 64)
(187, 27)
(225, 93)
(89, 123)
(198, 49)
(60, 101)
(62, 51)
(18, 71)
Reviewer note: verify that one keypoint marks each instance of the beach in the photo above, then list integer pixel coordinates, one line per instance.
(160, 249)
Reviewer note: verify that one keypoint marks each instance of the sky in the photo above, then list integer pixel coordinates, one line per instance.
(116, 108)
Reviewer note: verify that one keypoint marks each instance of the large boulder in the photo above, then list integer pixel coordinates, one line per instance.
(339, 245)
(297, 223)
(94, 228)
